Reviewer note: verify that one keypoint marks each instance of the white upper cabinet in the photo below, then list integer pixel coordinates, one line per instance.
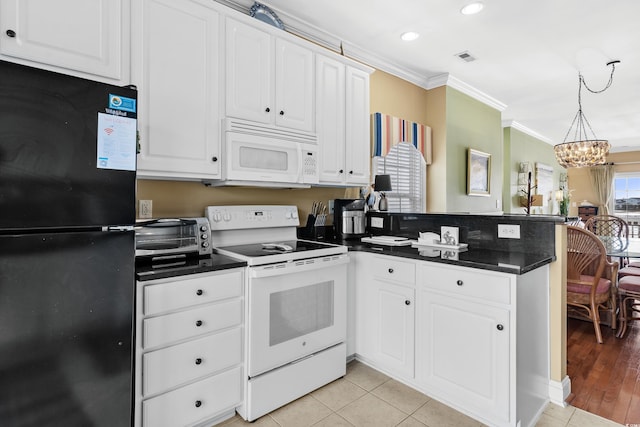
(342, 117)
(176, 69)
(330, 118)
(268, 79)
(358, 142)
(86, 38)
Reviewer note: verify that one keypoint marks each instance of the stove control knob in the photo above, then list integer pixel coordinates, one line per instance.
(204, 236)
(288, 215)
(216, 216)
(205, 244)
(294, 214)
(227, 216)
(203, 228)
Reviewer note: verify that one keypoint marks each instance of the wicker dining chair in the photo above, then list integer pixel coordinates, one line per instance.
(591, 279)
(629, 302)
(612, 227)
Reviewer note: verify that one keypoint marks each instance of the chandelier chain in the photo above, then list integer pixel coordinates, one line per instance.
(613, 69)
(583, 151)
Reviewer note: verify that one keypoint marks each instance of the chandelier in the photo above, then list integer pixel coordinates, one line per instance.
(583, 150)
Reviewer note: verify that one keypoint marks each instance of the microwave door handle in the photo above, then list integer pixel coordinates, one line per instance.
(165, 222)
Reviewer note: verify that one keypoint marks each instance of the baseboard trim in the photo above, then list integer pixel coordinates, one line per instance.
(559, 391)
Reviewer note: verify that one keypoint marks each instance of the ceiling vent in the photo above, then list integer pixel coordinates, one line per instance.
(466, 56)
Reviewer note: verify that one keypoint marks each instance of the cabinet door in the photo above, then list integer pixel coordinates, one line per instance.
(249, 73)
(464, 349)
(358, 145)
(88, 36)
(178, 78)
(394, 328)
(294, 86)
(330, 119)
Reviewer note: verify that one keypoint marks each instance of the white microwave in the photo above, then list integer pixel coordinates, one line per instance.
(262, 155)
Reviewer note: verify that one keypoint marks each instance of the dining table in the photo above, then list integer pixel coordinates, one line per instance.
(620, 247)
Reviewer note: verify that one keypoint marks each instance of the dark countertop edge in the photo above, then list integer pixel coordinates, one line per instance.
(219, 263)
(389, 251)
(509, 216)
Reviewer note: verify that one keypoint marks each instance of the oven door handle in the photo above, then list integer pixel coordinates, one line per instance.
(298, 266)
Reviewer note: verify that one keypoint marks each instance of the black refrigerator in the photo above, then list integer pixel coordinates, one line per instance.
(67, 209)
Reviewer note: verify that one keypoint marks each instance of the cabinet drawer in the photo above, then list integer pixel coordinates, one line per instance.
(172, 327)
(173, 295)
(172, 366)
(477, 283)
(194, 402)
(387, 268)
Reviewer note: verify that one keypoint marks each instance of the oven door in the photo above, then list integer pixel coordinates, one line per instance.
(296, 309)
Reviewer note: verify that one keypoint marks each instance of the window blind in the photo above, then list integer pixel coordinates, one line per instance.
(407, 168)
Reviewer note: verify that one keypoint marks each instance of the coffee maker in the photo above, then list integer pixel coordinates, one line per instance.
(349, 218)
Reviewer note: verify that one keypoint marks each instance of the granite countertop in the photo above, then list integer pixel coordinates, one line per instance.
(507, 262)
(146, 270)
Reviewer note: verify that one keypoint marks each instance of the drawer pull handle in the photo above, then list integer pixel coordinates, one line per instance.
(11, 33)
(198, 403)
(391, 270)
(500, 327)
(199, 292)
(459, 283)
(267, 109)
(198, 361)
(198, 323)
(407, 302)
(281, 113)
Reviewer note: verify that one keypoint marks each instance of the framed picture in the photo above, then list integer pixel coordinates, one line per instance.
(478, 173)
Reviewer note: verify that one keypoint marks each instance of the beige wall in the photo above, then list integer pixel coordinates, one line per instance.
(399, 98)
(187, 199)
(580, 182)
(437, 108)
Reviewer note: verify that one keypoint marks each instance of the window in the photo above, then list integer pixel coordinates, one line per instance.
(408, 172)
(626, 191)
(626, 204)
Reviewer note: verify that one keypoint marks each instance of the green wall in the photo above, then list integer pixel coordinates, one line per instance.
(520, 147)
(471, 124)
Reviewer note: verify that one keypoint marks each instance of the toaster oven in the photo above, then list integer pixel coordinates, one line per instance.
(170, 238)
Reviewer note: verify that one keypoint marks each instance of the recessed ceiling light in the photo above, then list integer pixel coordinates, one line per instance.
(409, 36)
(472, 8)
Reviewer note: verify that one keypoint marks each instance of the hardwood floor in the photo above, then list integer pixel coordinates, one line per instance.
(605, 378)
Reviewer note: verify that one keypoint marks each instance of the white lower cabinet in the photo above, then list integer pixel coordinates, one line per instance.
(195, 402)
(465, 351)
(476, 340)
(189, 348)
(385, 320)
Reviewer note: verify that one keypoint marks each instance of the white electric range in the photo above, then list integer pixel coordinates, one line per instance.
(295, 303)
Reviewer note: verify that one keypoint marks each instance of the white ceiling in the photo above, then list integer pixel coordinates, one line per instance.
(528, 54)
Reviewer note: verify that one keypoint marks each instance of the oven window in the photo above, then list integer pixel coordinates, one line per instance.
(300, 311)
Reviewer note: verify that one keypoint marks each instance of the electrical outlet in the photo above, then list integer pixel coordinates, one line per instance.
(508, 231)
(145, 209)
(331, 203)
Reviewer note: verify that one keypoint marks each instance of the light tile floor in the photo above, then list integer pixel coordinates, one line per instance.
(368, 398)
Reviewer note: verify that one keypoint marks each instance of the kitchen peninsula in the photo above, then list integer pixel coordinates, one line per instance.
(471, 328)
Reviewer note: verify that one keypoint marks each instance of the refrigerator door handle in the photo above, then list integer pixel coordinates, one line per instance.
(118, 228)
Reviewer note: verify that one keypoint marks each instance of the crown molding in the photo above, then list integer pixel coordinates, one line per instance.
(515, 125)
(475, 93)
